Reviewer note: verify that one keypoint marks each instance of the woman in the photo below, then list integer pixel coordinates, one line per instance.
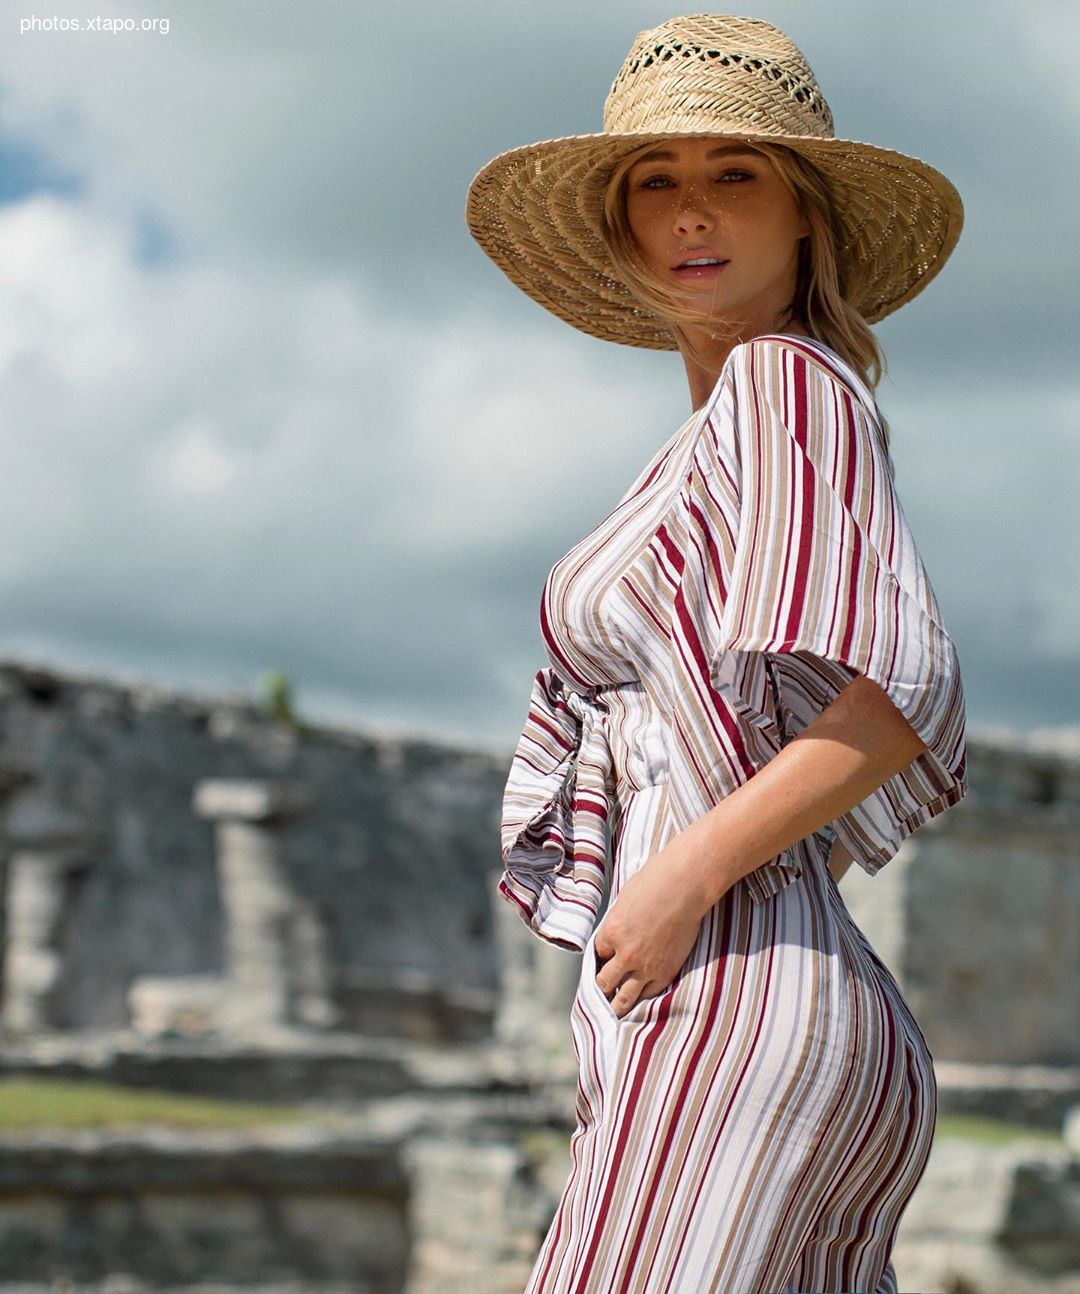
(750, 683)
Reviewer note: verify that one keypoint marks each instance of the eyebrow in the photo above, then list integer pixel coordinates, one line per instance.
(665, 155)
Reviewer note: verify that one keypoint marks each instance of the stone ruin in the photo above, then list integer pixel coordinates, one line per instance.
(200, 899)
(276, 970)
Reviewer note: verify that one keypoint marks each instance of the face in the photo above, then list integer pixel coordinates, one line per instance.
(713, 199)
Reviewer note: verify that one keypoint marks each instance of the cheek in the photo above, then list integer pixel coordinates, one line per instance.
(773, 235)
(788, 225)
(647, 228)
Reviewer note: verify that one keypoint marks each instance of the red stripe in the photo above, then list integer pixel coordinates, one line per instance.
(806, 503)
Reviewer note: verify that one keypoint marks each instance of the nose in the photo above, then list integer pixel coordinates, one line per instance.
(693, 215)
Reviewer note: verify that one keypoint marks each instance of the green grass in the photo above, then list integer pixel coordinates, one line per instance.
(56, 1103)
(991, 1132)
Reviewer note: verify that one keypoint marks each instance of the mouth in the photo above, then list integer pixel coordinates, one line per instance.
(700, 265)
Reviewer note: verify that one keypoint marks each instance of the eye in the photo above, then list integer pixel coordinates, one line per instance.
(654, 182)
(659, 180)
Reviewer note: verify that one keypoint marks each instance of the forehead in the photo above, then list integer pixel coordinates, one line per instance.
(677, 149)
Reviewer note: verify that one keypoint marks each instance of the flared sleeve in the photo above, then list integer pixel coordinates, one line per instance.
(556, 813)
(825, 580)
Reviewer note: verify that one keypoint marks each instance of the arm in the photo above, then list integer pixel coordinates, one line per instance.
(797, 548)
(820, 574)
(853, 746)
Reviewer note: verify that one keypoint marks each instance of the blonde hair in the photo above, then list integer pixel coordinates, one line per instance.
(820, 302)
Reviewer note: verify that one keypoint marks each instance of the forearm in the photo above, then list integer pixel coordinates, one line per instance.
(847, 752)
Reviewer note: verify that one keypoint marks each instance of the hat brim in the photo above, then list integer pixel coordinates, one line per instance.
(536, 211)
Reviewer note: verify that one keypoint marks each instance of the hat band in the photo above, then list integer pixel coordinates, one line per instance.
(703, 116)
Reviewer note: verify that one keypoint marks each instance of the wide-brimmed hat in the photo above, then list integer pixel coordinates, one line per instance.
(536, 211)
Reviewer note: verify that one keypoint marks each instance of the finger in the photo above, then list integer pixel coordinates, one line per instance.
(610, 976)
(628, 996)
(603, 945)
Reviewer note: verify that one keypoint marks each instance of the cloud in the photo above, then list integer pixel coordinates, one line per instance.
(256, 464)
(343, 142)
(318, 429)
(985, 474)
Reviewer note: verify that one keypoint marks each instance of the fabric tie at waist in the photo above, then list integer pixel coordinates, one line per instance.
(557, 809)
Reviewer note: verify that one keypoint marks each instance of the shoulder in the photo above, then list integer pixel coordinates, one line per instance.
(780, 396)
(781, 359)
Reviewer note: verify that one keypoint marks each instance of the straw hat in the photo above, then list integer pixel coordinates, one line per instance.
(536, 210)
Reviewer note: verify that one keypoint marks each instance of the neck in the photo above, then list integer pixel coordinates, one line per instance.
(703, 369)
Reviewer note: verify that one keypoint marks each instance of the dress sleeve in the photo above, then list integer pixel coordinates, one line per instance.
(827, 582)
(556, 814)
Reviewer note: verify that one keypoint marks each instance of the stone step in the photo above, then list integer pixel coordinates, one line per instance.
(1037, 1095)
(154, 1208)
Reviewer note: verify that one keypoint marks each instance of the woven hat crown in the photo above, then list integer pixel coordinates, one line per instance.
(716, 74)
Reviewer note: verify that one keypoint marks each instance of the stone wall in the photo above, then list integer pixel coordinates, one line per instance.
(114, 876)
(165, 859)
(978, 917)
(172, 1209)
(151, 844)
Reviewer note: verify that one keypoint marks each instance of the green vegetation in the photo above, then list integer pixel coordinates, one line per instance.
(277, 698)
(56, 1103)
(27, 1103)
(991, 1132)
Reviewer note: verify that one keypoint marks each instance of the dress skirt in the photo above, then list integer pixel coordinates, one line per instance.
(760, 1126)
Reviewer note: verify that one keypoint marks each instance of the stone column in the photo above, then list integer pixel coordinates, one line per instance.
(267, 928)
(557, 972)
(477, 1214)
(536, 985)
(515, 1006)
(310, 959)
(49, 854)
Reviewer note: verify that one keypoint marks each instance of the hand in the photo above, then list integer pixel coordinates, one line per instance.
(649, 931)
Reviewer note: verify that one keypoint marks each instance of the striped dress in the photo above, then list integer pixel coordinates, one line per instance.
(761, 1125)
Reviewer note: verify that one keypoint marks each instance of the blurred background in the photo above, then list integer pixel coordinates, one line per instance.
(264, 404)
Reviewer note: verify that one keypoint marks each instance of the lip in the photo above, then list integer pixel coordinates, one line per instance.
(696, 255)
(699, 273)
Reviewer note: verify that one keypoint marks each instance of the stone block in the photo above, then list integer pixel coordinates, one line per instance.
(249, 800)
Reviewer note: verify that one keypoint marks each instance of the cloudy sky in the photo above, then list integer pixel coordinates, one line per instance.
(264, 404)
